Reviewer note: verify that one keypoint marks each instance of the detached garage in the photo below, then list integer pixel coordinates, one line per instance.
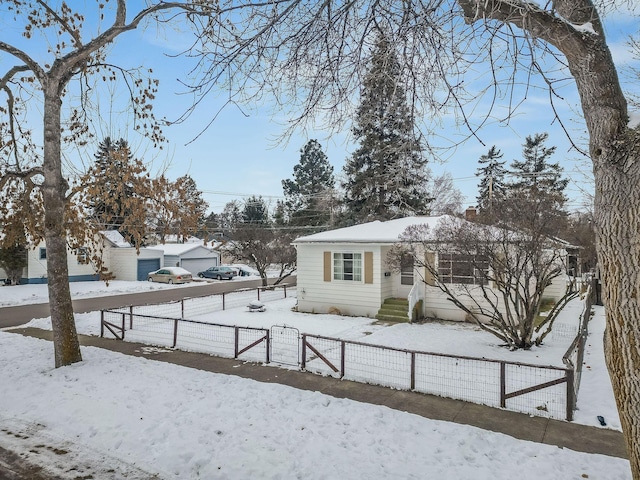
(190, 256)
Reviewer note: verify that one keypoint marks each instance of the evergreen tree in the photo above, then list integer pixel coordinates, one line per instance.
(13, 252)
(255, 211)
(280, 214)
(386, 177)
(536, 200)
(111, 159)
(230, 217)
(492, 188)
(116, 189)
(308, 194)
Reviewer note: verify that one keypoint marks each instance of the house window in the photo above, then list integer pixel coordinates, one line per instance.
(462, 268)
(43, 253)
(347, 266)
(82, 255)
(406, 270)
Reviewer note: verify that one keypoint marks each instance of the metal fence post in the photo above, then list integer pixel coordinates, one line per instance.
(303, 363)
(503, 385)
(268, 337)
(237, 341)
(223, 300)
(182, 307)
(130, 317)
(413, 370)
(101, 323)
(342, 358)
(123, 326)
(285, 291)
(175, 333)
(258, 293)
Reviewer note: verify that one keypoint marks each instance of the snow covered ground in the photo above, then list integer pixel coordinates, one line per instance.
(178, 422)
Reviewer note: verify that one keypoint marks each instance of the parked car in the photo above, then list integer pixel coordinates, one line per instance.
(170, 275)
(245, 270)
(219, 272)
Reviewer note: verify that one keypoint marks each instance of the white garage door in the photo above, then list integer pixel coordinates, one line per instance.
(195, 265)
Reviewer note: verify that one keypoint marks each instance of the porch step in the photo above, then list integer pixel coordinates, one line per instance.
(394, 310)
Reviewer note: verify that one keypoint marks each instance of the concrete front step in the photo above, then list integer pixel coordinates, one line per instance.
(394, 310)
(395, 307)
(396, 301)
(392, 318)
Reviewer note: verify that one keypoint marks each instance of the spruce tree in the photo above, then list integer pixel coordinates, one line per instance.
(536, 199)
(308, 194)
(255, 211)
(492, 187)
(386, 177)
(108, 203)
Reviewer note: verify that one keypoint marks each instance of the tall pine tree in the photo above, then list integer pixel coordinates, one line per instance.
(116, 189)
(255, 212)
(492, 187)
(536, 199)
(386, 177)
(308, 195)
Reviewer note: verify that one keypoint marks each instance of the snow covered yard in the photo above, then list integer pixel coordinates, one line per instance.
(201, 425)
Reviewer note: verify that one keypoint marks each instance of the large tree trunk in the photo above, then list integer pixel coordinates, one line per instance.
(65, 338)
(615, 152)
(617, 209)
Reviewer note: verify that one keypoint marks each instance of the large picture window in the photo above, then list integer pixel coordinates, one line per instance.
(462, 268)
(347, 266)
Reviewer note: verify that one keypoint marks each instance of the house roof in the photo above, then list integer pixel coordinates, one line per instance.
(116, 238)
(373, 232)
(178, 248)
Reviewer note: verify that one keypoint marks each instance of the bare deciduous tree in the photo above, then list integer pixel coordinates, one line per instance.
(263, 247)
(52, 52)
(496, 275)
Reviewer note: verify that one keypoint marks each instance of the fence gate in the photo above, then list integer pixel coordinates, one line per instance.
(285, 345)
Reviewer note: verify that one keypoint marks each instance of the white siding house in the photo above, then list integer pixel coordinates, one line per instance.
(36, 270)
(346, 271)
(119, 257)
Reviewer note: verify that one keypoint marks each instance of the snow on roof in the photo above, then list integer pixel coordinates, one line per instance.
(171, 238)
(177, 248)
(372, 232)
(116, 238)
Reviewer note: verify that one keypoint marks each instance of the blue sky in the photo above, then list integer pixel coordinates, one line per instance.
(237, 156)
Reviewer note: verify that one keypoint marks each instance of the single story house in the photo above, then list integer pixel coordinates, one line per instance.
(119, 257)
(346, 271)
(192, 256)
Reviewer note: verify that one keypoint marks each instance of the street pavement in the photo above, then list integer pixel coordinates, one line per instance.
(20, 314)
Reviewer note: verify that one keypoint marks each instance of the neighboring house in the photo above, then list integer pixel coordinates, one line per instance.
(192, 256)
(346, 271)
(119, 257)
(125, 262)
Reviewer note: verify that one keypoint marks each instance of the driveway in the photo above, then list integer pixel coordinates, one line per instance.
(21, 314)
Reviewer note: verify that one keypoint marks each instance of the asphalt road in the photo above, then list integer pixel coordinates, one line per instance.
(21, 314)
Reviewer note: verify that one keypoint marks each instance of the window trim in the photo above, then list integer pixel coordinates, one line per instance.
(407, 273)
(357, 267)
(42, 255)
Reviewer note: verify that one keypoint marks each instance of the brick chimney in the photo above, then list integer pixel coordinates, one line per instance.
(471, 213)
